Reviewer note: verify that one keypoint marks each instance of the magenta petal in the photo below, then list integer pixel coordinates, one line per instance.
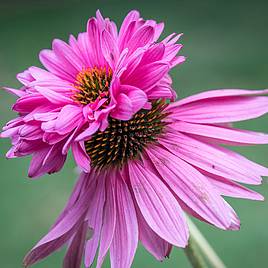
(214, 159)
(137, 97)
(157, 246)
(191, 187)
(109, 48)
(61, 232)
(81, 157)
(219, 110)
(73, 257)
(94, 216)
(109, 220)
(68, 119)
(125, 240)
(142, 37)
(16, 92)
(93, 127)
(54, 65)
(158, 206)
(124, 108)
(148, 75)
(222, 134)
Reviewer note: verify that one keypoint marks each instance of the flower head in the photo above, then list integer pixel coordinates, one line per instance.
(146, 161)
(104, 75)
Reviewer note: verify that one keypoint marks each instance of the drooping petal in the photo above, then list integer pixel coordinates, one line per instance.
(222, 134)
(81, 157)
(158, 205)
(109, 219)
(95, 216)
(157, 246)
(125, 238)
(191, 187)
(62, 231)
(73, 257)
(214, 159)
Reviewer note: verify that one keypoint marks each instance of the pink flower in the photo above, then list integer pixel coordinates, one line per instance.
(145, 161)
(104, 73)
(150, 170)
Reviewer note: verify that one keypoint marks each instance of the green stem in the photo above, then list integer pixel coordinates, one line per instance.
(203, 246)
(193, 254)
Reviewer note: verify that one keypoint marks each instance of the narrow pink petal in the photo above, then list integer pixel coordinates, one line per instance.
(158, 205)
(154, 53)
(109, 220)
(127, 28)
(219, 94)
(142, 37)
(73, 257)
(149, 75)
(81, 157)
(125, 240)
(28, 103)
(191, 187)
(94, 41)
(68, 119)
(66, 54)
(222, 134)
(110, 48)
(54, 65)
(157, 246)
(16, 92)
(93, 127)
(222, 110)
(229, 188)
(214, 159)
(61, 232)
(53, 96)
(25, 77)
(94, 216)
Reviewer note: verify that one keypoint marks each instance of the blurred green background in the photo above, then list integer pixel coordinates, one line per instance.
(226, 44)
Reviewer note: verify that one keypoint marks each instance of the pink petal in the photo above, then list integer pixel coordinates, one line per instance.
(214, 159)
(124, 108)
(140, 38)
(16, 92)
(66, 54)
(222, 134)
(157, 246)
(94, 216)
(55, 66)
(73, 257)
(229, 188)
(109, 220)
(68, 119)
(61, 232)
(219, 94)
(191, 187)
(158, 205)
(81, 157)
(137, 97)
(148, 75)
(109, 48)
(93, 127)
(125, 240)
(222, 110)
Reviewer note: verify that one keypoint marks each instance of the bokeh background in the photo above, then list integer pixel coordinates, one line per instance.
(226, 44)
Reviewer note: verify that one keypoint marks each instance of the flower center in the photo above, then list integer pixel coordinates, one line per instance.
(92, 84)
(124, 140)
